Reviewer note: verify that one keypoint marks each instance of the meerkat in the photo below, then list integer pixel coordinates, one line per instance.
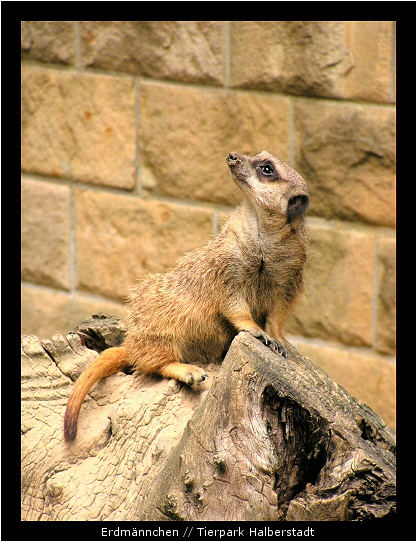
(247, 278)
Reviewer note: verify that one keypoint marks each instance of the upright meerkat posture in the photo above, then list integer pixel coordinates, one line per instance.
(245, 279)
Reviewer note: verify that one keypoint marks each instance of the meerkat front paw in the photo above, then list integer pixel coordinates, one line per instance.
(272, 343)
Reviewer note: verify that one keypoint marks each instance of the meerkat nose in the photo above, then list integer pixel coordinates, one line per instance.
(232, 159)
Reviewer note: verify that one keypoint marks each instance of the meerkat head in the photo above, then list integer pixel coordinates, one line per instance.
(268, 182)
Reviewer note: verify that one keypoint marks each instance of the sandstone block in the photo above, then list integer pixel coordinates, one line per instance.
(343, 59)
(372, 49)
(78, 125)
(339, 278)
(47, 312)
(179, 50)
(120, 238)
(386, 304)
(48, 41)
(368, 377)
(186, 135)
(347, 153)
(45, 233)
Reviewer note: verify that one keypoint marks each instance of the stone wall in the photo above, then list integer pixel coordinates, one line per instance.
(125, 129)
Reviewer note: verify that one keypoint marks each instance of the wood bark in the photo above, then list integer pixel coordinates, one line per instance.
(267, 438)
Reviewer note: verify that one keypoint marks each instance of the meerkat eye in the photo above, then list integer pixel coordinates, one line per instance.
(267, 170)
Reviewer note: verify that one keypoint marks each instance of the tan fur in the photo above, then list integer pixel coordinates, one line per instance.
(247, 278)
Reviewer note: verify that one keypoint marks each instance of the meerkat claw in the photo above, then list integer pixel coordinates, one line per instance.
(281, 349)
(273, 344)
(263, 337)
(278, 347)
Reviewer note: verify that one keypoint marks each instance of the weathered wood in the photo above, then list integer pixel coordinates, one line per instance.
(270, 439)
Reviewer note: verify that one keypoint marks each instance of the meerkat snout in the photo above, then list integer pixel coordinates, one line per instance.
(233, 158)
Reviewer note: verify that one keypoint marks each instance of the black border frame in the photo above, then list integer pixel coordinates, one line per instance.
(403, 527)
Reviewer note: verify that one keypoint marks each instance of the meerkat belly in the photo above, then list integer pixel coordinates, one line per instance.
(210, 344)
(269, 288)
(259, 291)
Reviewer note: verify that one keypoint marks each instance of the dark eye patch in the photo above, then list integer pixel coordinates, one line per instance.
(266, 171)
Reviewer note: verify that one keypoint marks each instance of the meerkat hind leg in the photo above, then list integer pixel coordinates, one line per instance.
(190, 374)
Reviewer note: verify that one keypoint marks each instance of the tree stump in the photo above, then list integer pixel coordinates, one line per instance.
(266, 438)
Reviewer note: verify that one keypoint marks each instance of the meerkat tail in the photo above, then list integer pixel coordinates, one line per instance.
(109, 361)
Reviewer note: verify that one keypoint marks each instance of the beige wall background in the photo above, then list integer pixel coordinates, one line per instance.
(125, 130)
